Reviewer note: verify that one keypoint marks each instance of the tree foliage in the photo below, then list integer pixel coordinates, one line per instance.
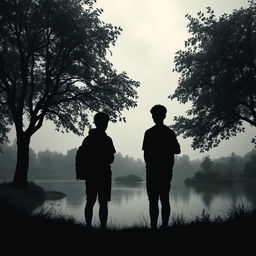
(217, 76)
(207, 164)
(54, 65)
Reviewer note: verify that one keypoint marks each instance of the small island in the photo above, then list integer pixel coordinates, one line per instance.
(207, 175)
(132, 178)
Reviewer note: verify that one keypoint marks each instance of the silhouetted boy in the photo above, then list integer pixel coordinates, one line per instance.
(159, 145)
(101, 152)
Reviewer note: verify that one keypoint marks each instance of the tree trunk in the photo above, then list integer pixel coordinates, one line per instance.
(21, 172)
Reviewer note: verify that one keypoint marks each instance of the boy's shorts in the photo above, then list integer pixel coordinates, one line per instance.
(100, 187)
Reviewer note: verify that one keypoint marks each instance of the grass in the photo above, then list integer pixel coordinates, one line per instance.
(49, 229)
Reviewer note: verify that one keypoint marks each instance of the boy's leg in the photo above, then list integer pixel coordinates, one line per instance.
(91, 196)
(165, 203)
(104, 198)
(152, 191)
(165, 211)
(153, 213)
(103, 213)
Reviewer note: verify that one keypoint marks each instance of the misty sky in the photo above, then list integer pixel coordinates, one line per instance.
(152, 32)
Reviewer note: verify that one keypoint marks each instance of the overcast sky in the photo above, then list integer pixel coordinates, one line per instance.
(152, 32)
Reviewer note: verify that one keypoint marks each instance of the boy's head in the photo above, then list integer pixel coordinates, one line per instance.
(158, 113)
(101, 121)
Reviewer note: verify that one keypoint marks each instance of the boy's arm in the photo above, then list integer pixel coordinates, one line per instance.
(112, 158)
(112, 152)
(175, 145)
(145, 148)
(146, 157)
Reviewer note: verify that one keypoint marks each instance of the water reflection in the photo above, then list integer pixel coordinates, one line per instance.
(129, 202)
(122, 193)
(250, 192)
(74, 190)
(232, 193)
(180, 193)
(208, 192)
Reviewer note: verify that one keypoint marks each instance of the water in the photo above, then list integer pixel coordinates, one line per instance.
(129, 204)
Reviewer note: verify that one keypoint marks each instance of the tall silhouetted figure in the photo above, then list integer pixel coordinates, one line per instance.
(100, 154)
(159, 145)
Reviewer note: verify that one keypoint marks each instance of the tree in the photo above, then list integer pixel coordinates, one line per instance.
(235, 165)
(54, 66)
(207, 164)
(184, 168)
(249, 171)
(217, 76)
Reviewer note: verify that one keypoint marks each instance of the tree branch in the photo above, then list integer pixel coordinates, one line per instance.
(253, 123)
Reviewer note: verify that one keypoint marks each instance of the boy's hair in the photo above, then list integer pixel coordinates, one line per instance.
(158, 110)
(101, 116)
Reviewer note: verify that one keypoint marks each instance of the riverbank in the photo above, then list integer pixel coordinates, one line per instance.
(26, 198)
(47, 231)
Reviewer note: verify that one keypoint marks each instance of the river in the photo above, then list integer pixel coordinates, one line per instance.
(129, 204)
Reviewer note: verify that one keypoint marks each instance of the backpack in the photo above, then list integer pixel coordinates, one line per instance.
(80, 163)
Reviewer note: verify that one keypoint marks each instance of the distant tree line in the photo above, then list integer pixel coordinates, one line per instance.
(226, 169)
(47, 164)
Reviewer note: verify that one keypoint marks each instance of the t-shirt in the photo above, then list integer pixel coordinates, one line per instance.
(159, 145)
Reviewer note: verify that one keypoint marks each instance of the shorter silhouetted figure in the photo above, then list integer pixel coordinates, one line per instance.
(159, 145)
(100, 150)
